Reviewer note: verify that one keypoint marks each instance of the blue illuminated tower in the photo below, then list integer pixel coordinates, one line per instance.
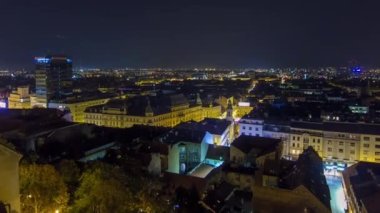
(53, 79)
(355, 68)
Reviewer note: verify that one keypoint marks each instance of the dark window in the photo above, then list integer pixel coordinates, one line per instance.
(340, 150)
(366, 145)
(366, 138)
(352, 144)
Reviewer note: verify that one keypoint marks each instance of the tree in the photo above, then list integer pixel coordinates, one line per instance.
(70, 174)
(106, 188)
(148, 196)
(103, 189)
(186, 200)
(42, 189)
(69, 171)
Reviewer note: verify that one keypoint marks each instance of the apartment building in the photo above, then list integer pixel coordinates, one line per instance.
(336, 142)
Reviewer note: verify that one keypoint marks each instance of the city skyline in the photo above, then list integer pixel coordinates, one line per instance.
(189, 106)
(192, 34)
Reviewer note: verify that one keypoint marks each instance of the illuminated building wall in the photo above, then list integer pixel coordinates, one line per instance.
(212, 112)
(77, 107)
(53, 78)
(334, 142)
(9, 177)
(185, 156)
(300, 139)
(120, 119)
(120, 115)
(240, 111)
(19, 99)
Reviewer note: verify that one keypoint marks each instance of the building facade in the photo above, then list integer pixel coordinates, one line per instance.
(165, 111)
(20, 98)
(9, 177)
(53, 79)
(361, 188)
(77, 107)
(336, 143)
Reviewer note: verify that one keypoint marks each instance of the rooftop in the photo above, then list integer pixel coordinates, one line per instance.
(246, 143)
(364, 177)
(212, 125)
(182, 135)
(358, 128)
(137, 105)
(308, 171)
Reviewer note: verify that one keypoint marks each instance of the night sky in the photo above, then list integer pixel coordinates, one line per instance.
(223, 33)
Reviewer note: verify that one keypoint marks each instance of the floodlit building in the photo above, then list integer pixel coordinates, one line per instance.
(76, 106)
(163, 110)
(187, 151)
(338, 143)
(53, 79)
(9, 177)
(221, 130)
(20, 98)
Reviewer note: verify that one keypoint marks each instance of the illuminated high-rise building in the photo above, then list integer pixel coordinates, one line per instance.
(53, 79)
